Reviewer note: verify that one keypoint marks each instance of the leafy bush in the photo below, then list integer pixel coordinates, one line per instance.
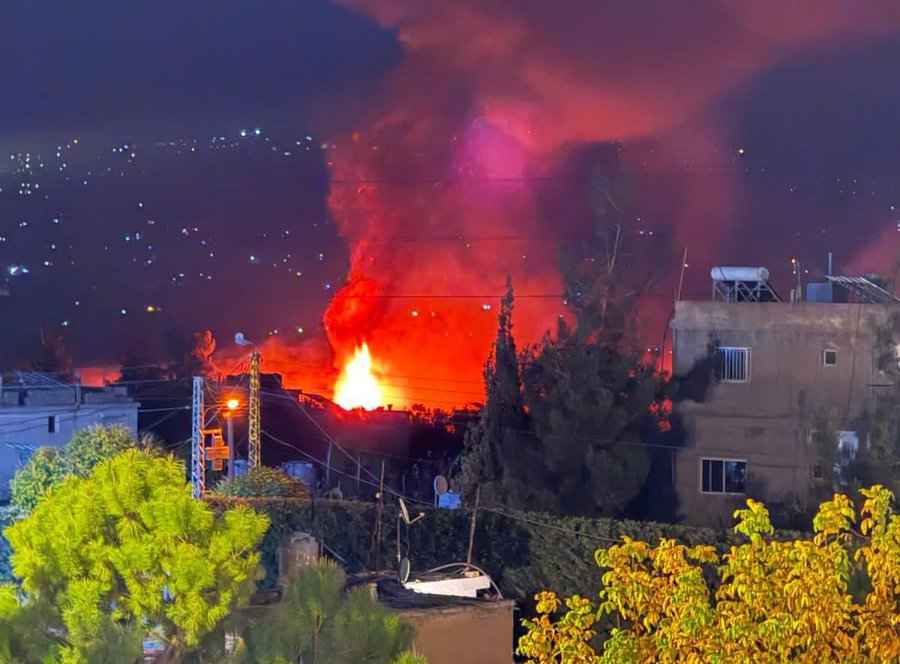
(523, 552)
(49, 466)
(263, 482)
(764, 601)
(104, 559)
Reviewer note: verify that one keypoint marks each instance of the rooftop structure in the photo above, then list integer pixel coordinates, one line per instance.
(38, 409)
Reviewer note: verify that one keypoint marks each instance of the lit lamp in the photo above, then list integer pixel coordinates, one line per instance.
(231, 405)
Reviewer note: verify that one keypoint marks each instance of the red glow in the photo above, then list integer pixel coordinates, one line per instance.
(438, 195)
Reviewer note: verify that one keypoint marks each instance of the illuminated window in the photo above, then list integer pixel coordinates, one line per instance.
(722, 475)
(733, 364)
(829, 358)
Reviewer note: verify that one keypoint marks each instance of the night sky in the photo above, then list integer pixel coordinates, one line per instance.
(197, 193)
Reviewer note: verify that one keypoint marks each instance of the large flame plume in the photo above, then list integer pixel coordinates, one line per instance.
(357, 387)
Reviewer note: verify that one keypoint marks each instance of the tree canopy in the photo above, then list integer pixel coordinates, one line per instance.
(565, 425)
(50, 466)
(318, 622)
(263, 482)
(122, 553)
(762, 601)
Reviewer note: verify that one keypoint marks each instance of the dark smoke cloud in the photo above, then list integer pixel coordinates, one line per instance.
(553, 72)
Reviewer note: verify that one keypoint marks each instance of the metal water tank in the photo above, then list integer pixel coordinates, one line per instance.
(739, 274)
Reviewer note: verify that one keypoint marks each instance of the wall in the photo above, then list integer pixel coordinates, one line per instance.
(767, 420)
(23, 427)
(471, 634)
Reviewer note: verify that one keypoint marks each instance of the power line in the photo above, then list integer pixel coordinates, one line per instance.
(388, 375)
(407, 499)
(550, 526)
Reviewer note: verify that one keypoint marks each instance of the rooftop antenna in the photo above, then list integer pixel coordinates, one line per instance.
(403, 561)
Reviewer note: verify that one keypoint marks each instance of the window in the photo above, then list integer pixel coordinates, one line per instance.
(722, 475)
(847, 448)
(732, 364)
(53, 424)
(829, 358)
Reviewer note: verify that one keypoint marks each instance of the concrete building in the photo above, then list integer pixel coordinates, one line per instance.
(454, 630)
(36, 410)
(773, 370)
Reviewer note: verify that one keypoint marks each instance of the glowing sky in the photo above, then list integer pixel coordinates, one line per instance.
(749, 135)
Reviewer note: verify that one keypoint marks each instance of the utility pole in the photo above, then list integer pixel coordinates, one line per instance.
(229, 432)
(198, 468)
(378, 517)
(253, 454)
(472, 525)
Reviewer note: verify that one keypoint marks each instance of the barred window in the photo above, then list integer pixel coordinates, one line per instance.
(733, 364)
(723, 475)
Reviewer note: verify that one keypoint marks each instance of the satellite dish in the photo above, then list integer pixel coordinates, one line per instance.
(241, 340)
(404, 570)
(441, 486)
(404, 512)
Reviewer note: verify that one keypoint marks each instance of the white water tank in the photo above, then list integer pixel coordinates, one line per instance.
(739, 274)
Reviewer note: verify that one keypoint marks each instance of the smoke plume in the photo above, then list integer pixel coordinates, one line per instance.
(444, 191)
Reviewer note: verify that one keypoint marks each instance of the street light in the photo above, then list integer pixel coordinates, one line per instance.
(231, 405)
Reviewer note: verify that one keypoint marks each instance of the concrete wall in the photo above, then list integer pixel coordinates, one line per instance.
(24, 427)
(767, 420)
(470, 634)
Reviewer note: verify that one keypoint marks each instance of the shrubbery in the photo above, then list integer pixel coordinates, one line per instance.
(263, 482)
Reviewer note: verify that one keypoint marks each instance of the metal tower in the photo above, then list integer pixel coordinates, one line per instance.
(198, 469)
(253, 454)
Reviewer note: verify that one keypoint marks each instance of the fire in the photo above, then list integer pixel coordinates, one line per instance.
(357, 387)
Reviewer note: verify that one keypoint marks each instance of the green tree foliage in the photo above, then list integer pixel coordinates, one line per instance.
(121, 553)
(880, 460)
(566, 422)
(263, 482)
(49, 466)
(564, 425)
(497, 455)
(763, 601)
(590, 409)
(317, 622)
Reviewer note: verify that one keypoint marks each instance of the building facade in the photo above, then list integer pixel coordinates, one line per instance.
(775, 370)
(36, 411)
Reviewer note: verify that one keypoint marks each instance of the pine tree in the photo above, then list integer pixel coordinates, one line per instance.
(495, 444)
(126, 552)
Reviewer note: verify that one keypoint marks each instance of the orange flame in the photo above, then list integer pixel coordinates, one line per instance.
(357, 387)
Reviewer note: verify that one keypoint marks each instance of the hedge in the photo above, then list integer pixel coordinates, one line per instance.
(522, 552)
